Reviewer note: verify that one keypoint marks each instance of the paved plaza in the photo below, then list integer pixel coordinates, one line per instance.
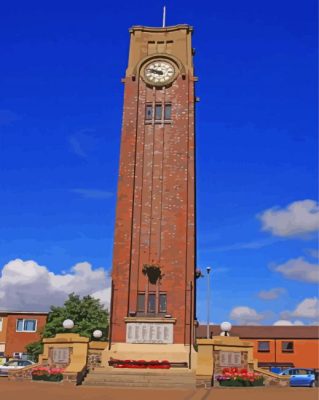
(53, 391)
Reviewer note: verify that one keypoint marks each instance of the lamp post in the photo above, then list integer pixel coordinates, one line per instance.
(97, 334)
(225, 328)
(208, 301)
(68, 324)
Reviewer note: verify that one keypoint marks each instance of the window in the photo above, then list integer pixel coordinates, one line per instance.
(287, 347)
(154, 304)
(293, 371)
(13, 363)
(141, 302)
(149, 112)
(167, 112)
(158, 112)
(151, 303)
(162, 303)
(263, 347)
(26, 325)
(1, 322)
(304, 372)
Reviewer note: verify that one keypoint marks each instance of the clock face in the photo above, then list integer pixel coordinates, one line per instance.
(159, 72)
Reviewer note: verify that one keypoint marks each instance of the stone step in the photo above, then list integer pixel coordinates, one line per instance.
(182, 381)
(203, 381)
(124, 371)
(141, 384)
(141, 378)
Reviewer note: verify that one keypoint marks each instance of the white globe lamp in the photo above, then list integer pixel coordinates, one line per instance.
(68, 324)
(225, 327)
(97, 334)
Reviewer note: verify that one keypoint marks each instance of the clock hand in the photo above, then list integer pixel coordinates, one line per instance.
(154, 71)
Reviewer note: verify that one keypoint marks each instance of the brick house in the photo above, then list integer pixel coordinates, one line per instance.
(282, 346)
(17, 329)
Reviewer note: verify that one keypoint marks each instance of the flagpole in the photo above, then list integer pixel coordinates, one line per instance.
(164, 16)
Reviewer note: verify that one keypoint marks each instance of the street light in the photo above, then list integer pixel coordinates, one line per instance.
(225, 327)
(208, 301)
(97, 334)
(68, 324)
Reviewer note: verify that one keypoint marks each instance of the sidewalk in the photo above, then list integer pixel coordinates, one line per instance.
(58, 391)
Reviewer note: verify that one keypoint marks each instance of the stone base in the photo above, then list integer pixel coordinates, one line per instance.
(144, 378)
(178, 353)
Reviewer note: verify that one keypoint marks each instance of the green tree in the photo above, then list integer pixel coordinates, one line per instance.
(34, 350)
(87, 314)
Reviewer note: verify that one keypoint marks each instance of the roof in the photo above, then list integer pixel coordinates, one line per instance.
(155, 29)
(275, 364)
(24, 312)
(264, 332)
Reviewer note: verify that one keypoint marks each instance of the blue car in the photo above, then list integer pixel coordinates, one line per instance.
(300, 376)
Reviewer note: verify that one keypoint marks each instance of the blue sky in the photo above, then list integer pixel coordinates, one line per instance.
(60, 119)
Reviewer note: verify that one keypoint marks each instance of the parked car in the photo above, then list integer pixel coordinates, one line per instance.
(12, 365)
(300, 376)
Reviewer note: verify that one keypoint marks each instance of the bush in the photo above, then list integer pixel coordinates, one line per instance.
(236, 377)
(47, 374)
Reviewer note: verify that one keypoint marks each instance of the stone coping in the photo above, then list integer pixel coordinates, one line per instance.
(96, 345)
(67, 338)
(135, 28)
(150, 319)
(225, 341)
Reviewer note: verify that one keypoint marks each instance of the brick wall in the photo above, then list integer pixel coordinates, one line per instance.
(305, 352)
(16, 341)
(155, 217)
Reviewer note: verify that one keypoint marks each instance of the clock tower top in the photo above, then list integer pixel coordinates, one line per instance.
(172, 41)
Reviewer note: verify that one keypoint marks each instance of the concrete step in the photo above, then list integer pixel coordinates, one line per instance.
(103, 370)
(203, 383)
(141, 378)
(144, 384)
(142, 381)
(138, 385)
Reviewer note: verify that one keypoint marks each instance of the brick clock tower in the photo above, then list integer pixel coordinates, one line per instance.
(153, 278)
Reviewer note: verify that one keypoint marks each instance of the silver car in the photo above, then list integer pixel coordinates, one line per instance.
(13, 365)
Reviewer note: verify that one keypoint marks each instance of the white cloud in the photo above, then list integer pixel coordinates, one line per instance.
(83, 142)
(27, 286)
(246, 316)
(308, 308)
(271, 294)
(300, 270)
(285, 322)
(313, 253)
(252, 245)
(298, 218)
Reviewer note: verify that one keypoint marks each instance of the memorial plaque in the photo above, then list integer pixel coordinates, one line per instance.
(166, 333)
(149, 332)
(144, 332)
(61, 355)
(130, 332)
(137, 331)
(230, 359)
(158, 333)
